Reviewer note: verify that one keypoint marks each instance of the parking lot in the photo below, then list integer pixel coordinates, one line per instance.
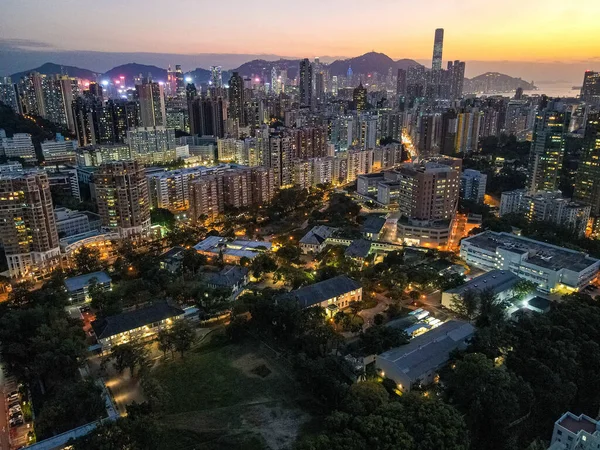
(14, 425)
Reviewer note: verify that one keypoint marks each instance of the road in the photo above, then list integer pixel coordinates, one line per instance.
(4, 442)
(369, 314)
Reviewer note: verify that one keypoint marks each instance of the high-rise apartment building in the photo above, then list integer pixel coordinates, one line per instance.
(548, 149)
(468, 129)
(587, 183)
(236, 109)
(8, 93)
(305, 83)
(590, 89)
(216, 76)
(152, 144)
(472, 185)
(359, 98)
(122, 196)
(456, 75)
(152, 104)
(27, 226)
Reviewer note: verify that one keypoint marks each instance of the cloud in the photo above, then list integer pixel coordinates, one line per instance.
(25, 44)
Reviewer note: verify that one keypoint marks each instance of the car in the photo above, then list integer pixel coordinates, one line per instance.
(12, 396)
(16, 421)
(14, 403)
(17, 416)
(15, 409)
(590, 287)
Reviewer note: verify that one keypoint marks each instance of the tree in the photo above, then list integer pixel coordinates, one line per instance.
(73, 404)
(379, 338)
(164, 217)
(165, 341)
(261, 264)
(130, 355)
(355, 307)
(87, 260)
(491, 309)
(183, 336)
(523, 288)
(289, 253)
(414, 295)
(192, 262)
(365, 398)
(491, 397)
(466, 305)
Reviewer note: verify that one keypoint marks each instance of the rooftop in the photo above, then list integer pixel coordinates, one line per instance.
(324, 290)
(131, 320)
(575, 424)
(76, 283)
(497, 280)
(359, 248)
(540, 253)
(430, 350)
(229, 276)
(317, 235)
(239, 248)
(373, 225)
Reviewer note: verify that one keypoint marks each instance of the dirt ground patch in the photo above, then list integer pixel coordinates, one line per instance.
(252, 365)
(277, 424)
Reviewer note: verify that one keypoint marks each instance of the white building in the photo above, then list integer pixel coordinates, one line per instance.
(70, 223)
(547, 206)
(549, 266)
(420, 360)
(314, 240)
(575, 432)
(59, 152)
(18, 146)
(472, 185)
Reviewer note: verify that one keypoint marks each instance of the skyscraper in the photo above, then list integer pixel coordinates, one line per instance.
(587, 184)
(236, 99)
(216, 76)
(359, 98)
(179, 82)
(548, 148)
(27, 223)
(8, 93)
(123, 199)
(305, 83)
(152, 104)
(590, 90)
(438, 46)
(456, 75)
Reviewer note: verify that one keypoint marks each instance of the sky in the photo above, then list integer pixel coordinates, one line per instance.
(534, 31)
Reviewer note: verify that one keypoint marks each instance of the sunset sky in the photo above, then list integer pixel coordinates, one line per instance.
(515, 30)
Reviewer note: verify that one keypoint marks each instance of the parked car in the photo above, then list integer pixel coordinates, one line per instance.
(16, 421)
(15, 409)
(12, 396)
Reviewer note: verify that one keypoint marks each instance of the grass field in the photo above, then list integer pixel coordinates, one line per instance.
(232, 396)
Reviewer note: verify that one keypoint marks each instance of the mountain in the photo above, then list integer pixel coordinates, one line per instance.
(494, 82)
(368, 63)
(262, 68)
(132, 70)
(52, 69)
(202, 76)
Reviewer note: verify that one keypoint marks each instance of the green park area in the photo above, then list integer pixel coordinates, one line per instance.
(230, 396)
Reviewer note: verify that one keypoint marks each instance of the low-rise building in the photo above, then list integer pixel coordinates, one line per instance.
(550, 267)
(70, 223)
(314, 240)
(575, 432)
(372, 228)
(233, 278)
(332, 294)
(419, 361)
(78, 287)
(171, 259)
(500, 282)
(231, 251)
(142, 323)
(424, 233)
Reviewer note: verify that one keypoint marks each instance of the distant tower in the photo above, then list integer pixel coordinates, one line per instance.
(519, 93)
(438, 46)
(216, 77)
(360, 98)
(179, 83)
(236, 99)
(306, 83)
